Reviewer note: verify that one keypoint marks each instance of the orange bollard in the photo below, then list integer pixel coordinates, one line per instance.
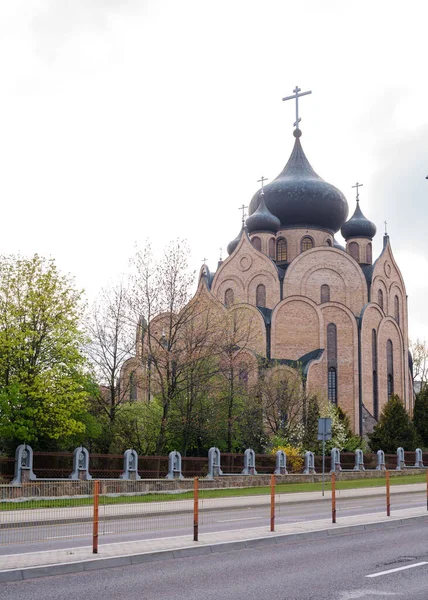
(272, 503)
(388, 495)
(427, 487)
(195, 509)
(333, 497)
(96, 521)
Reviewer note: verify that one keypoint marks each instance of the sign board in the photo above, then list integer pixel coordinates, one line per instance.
(324, 429)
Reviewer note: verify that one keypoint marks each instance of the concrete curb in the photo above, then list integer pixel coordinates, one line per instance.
(92, 564)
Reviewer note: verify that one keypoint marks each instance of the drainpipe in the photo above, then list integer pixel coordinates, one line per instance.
(360, 387)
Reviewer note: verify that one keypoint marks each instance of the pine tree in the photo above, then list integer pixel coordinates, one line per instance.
(420, 416)
(394, 428)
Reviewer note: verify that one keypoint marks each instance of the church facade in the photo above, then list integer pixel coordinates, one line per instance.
(336, 312)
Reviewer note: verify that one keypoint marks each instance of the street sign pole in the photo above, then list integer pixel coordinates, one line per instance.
(324, 433)
(323, 463)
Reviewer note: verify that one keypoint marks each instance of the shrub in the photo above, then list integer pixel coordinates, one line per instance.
(295, 459)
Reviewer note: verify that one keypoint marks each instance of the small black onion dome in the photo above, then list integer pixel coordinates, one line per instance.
(262, 219)
(358, 226)
(300, 198)
(231, 247)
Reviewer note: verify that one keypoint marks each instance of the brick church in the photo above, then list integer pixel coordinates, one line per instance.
(335, 311)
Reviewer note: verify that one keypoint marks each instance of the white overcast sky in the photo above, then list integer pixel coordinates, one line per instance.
(126, 120)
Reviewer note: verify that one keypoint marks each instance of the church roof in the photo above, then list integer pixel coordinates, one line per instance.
(301, 198)
(358, 226)
(231, 247)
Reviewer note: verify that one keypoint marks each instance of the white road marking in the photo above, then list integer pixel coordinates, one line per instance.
(64, 537)
(355, 594)
(244, 519)
(397, 569)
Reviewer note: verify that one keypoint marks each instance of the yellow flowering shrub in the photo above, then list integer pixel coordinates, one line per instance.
(295, 460)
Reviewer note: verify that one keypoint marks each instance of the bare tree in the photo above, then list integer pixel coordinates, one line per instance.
(112, 342)
(161, 292)
(237, 366)
(419, 350)
(283, 395)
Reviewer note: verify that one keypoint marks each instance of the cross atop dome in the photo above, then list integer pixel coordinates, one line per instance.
(296, 95)
(262, 180)
(357, 185)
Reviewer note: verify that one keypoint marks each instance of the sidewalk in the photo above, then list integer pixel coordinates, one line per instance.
(72, 560)
(113, 511)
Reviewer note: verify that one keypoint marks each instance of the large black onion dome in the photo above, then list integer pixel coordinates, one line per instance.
(300, 198)
(358, 226)
(262, 219)
(231, 247)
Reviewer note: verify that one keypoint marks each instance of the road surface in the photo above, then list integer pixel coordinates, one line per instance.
(370, 565)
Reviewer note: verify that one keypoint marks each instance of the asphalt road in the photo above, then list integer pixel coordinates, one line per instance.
(352, 566)
(31, 539)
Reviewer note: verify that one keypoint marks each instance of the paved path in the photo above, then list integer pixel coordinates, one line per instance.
(79, 559)
(41, 515)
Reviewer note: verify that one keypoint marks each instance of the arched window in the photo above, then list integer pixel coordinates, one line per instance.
(397, 309)
(380, 298)
(229, 297)
(332, 362)
(271, 247)
(332, 385)
(374, 367)
(328, 242)
(132, 386)
(369, 253)
(390, 367)
(354, 251)
(306, 244)
(257, 243)
(261, 295)
(281, 250)
(243, 375)
(325, 293)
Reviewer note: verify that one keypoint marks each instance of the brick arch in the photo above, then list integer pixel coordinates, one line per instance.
(371, 317)
(248, 358)
(232, 270)
(317, 276)
(299, 279)
(236, 285)
(296, 328)
(347, 359)
(379, 283)
(389, 329)
(395, 290)
(252, 326)
(271, 285)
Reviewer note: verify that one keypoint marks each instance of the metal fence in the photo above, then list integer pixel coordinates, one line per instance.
(59, 465)
(43, 511)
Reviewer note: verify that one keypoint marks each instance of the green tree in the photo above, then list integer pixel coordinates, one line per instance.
(310, 437)
(420, 416)
(136, 426)
(43, 381)
(394, 428)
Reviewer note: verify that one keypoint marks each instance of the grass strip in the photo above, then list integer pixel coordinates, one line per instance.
(285, 488)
